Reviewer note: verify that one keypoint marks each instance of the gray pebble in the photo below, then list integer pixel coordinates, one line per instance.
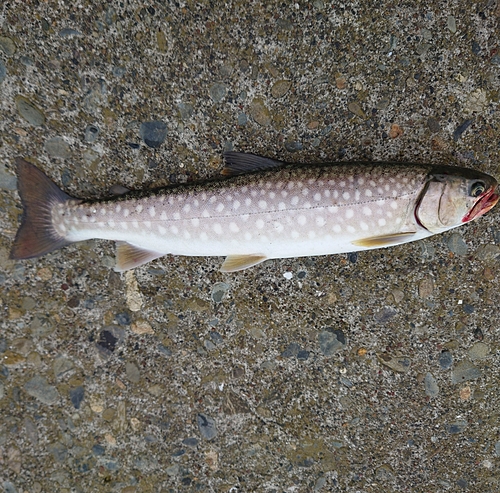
(291, 351)
(68, 32)
(488, 252)
(452, 24)
(218, 92)
(303, 355)
(433, 125)
(209, 345)
(3, 345)
(207, 426)
(91, 133)
(457, 134)
(186, 110)
(38, 388)
(190, 442)
(260, 113)
(58, 451)
(331, 341)
(456, 244)
(61, 366)
(7, 181)
(445, 360)
(8, 487)
(456, 427)
(431, 386)
(3, 72)
(242, 119)
(132, 372)
(293, 146)
(76, 395)
(153, 133)
(320, 483)
(29, 111)
(7, 46)
(497, 448)
(2, 391)
(219, 290)
(478, 351)
(464, 371)
(400, 364)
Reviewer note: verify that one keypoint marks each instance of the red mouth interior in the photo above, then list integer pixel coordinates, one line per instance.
(485, 202)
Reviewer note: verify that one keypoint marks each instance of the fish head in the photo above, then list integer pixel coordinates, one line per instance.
(453, 196)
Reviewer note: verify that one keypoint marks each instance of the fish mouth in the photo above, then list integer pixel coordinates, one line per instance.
(485, 203)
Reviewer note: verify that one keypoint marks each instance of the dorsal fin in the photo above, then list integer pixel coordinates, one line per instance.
(238, 163)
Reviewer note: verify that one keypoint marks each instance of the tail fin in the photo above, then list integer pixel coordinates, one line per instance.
(36, 235)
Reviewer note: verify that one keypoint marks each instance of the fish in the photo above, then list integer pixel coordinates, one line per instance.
(258, 209)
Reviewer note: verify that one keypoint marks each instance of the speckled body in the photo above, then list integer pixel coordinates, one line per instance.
(291, 212)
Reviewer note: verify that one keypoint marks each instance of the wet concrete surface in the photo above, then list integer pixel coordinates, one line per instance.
(367, 372)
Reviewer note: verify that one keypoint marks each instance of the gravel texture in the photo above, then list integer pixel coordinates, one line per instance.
(355, 373)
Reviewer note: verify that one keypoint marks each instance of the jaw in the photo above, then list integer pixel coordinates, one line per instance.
(485, 203)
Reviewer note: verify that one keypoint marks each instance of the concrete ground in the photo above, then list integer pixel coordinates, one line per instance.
(369, 372)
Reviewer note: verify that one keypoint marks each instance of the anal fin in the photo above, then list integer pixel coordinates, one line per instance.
(129, 256)
(384, 240)
(234, 263)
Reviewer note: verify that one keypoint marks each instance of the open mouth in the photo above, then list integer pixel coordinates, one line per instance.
(485, 202)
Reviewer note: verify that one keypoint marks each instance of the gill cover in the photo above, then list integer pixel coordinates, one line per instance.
(453, 196)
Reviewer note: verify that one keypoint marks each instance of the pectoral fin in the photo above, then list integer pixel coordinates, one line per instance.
(384, 240)
(234, 263)
(129, 256)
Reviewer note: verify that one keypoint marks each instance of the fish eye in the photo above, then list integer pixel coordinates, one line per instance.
(477, 188)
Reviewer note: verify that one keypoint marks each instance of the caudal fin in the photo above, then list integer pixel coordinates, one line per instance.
(36, 235)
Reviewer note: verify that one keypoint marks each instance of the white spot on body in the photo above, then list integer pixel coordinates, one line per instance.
(295, 234)
(382, 222)
(367, 211)
(135, 224)
(203, 236)
(220, 207)
(248, 235)
(205, 213)
(233, 227)
(363, 226)
(311, 235)
(111, 223)
(278, 227)
(118, 208)
(187, 235)
(295, 200)
(195, 222)
(147, 224)
(394, 205)
(126, 212)
(163, 216)
(351, 229)
(337, 228)
(368, 192)
(259, 223)
(124, 225)
(262, 204)
(138, 208)
(218, 228)
(346, 195)
(272, 195)
(103, 211)
(248, 202)
(236, 205)
(174, 229)
(349, 213)
(320, 221)
(302, 220)
(162, 230)
(152, 212)
(186, 208)
(281, 206)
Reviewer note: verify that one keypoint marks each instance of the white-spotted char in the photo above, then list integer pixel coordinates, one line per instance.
(262, 209)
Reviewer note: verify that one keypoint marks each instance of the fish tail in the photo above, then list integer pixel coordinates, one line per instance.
(36, 235)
